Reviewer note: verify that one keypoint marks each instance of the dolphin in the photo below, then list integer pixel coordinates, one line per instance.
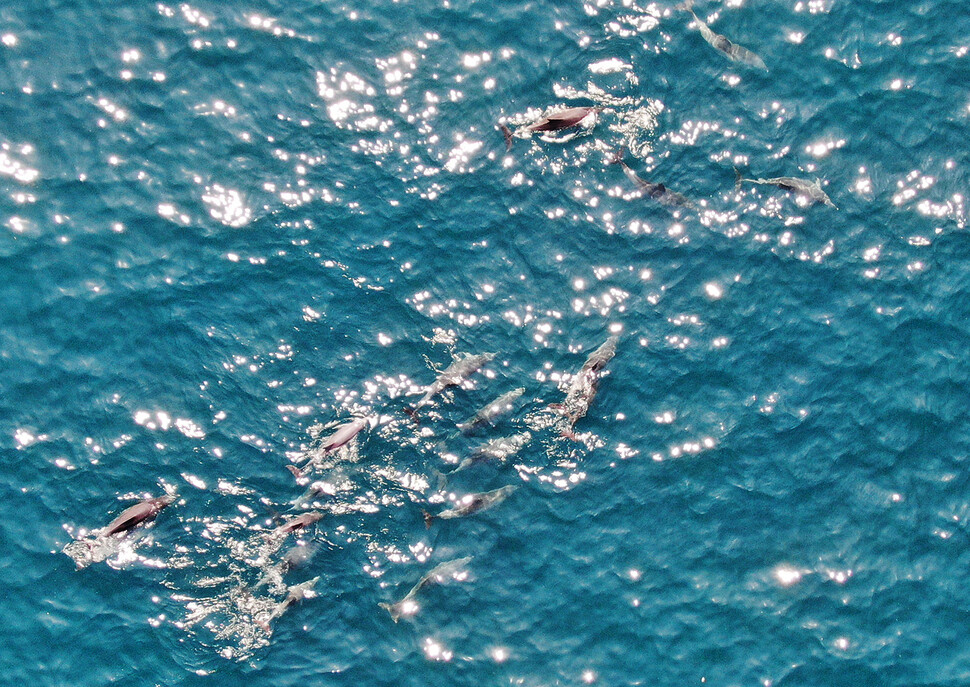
(496, 449)
(453, 375)
(810, 189)
(440, 574)
(554, 121)
(733, 51)
(492, 411)
(471, 503)
(105, 541)
(584, 385)
(343, 435)
(294, 594)
(297, 523)
(295, 557)
(657, 191)
(134, 516)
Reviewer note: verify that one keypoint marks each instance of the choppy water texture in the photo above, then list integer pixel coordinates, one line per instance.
(227, 228)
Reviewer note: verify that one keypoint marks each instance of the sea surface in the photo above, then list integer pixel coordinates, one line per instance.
(228, 228)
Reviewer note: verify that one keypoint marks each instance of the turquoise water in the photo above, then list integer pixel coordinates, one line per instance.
(223, 225)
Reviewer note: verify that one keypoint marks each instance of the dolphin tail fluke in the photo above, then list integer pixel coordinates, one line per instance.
(507, 133)
(390, 609)
(428, 519)
(298, 474)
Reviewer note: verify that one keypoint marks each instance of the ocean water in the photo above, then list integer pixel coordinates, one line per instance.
(227, 227)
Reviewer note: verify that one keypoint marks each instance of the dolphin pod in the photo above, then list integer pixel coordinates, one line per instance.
(267, 606)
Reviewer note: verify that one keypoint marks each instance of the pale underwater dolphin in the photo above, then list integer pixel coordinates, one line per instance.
(732, 51)
(471, 503)
(810, 189)
(440, 574)
(453, 375)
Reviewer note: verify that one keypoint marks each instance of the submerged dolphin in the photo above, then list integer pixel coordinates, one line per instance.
(554, 121)
(141, 513)
(811, 189)
(294, 594)
(584, 385)
(733, 51)
(295, 557)
(491, 411)
(453, 375)
(440, 574)
(496, 449)
(658, 192)
(471, 503)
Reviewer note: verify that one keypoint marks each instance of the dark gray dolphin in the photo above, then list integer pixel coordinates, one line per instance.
(440, 574)
(657, 191)
(134, 516)
(453, 375)
(340, 437)
(584, 385)
(471, 503)
(810, 189)
(554, 121)
(297, 523)
(733, 51)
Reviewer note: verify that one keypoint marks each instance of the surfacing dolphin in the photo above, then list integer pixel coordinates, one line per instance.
(339, 438)
(733, 51)
(106, 541)
(440, 574)
(296, 523)
(141, 513)
(453, 375)
(471, 503)
(582, 389)
(810, 189)
(658, 192)
(554, 121)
